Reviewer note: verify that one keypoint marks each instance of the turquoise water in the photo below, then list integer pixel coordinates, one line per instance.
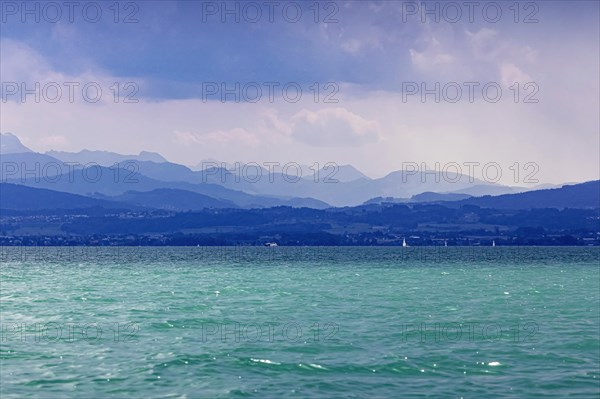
(300, 322)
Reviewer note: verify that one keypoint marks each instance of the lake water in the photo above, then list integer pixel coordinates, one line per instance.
(300, 322)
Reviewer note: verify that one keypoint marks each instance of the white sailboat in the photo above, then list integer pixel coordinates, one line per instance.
(404, 244)
(493, 243)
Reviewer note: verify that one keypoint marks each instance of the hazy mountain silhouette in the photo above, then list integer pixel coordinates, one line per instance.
(434, 197)
(19, 197)
(10, 144)
(172, 199)
(115, 181)
(104, 158)
(582, 195)
(244, 186)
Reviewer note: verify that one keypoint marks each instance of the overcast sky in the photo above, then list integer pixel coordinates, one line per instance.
(370, 57)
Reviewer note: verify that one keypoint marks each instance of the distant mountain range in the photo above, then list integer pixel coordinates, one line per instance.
(583, 195)
(149, 180)
(10, 144)
(103, 182)
(104, 158)
(172, 199)
(31, 216)
(20, 197)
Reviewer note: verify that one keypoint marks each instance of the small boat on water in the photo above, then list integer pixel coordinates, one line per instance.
(493, 243)
(404, 244)
(270, 244)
